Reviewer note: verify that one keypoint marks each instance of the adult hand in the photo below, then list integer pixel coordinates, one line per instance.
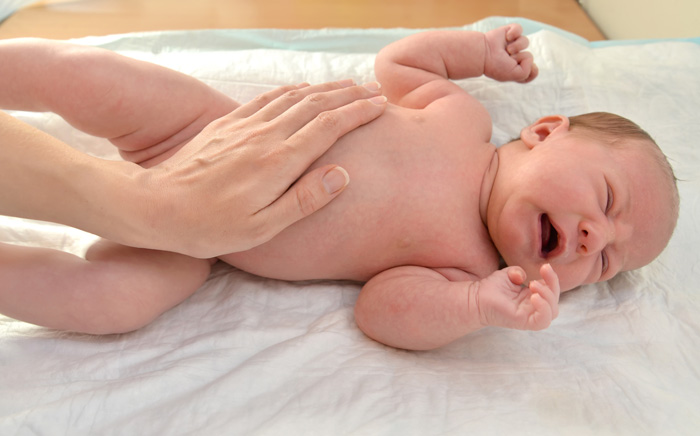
(233, 187)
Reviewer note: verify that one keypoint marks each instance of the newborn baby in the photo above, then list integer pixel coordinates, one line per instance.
(432, 212)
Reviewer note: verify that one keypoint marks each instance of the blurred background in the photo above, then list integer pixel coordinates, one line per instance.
(591, 19)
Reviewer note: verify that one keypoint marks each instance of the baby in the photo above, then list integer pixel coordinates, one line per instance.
(432, 211)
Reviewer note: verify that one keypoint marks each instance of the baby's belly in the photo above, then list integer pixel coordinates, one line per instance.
(338, 241)
(366, 231)
(365, 245)
(351, 239)
(411, 201)
(305, 252)
(293, 262)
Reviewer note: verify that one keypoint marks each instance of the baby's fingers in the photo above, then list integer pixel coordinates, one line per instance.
(551, 279)
(548, 292)
(526, 62)
(518, 45)
(514, 31)
(516, 275)
(544, 311)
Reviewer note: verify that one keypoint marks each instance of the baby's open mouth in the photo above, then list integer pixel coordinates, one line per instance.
(550, 237)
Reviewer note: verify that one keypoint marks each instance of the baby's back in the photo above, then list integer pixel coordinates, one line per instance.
(413, 199)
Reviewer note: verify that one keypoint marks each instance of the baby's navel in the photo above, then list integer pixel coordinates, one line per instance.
(417, 119)
(404, 243)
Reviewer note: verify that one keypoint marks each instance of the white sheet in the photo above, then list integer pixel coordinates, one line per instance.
(248, 355)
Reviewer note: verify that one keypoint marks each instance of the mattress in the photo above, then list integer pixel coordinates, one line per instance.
(250, 355)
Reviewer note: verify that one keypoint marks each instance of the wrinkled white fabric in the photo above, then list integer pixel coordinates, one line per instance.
(248, 355)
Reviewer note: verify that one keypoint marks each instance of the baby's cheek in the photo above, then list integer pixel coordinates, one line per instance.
(570, 279)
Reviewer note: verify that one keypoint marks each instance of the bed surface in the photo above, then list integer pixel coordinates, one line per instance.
(248, 355)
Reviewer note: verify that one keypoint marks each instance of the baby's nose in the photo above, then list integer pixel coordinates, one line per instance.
(592, 237)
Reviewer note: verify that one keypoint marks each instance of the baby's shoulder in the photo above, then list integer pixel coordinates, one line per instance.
(464, 114)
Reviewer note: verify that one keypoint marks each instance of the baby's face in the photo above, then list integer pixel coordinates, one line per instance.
(586, 208)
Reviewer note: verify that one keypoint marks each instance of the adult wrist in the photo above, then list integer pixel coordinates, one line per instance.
(108, 201)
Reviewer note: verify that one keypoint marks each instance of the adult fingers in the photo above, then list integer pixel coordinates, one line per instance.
(310, 193)
(318, 187)
(314, 104)
(262, 100)
(283, 98)
(324, 130)
(300, 97)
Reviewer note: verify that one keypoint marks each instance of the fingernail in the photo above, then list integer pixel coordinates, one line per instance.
(373, 86)
(302, 85)
(345, 83)
(378, 100)
(335, 180)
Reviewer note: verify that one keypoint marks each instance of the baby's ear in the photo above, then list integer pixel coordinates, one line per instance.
(546, 127)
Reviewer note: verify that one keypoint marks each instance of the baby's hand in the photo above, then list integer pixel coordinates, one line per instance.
(504, 301)
(505, 59)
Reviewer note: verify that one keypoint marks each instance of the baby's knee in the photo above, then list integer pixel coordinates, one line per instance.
(116, 313)
(130, 287)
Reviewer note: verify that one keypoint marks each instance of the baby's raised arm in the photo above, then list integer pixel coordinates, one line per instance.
(415, 69)
(420, 308)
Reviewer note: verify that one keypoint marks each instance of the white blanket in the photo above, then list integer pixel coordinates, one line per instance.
(248, 355)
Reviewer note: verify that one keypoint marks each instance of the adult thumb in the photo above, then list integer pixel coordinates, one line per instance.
(309, 194)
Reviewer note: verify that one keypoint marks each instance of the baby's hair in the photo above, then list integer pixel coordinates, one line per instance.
(612, 128)
(618, 131)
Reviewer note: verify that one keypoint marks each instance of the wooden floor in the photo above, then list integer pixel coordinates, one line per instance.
(62, 19)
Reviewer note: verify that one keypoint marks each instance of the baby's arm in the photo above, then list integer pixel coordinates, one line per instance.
(419, 308)
(413, 70)
(135, 104)
(115, 289)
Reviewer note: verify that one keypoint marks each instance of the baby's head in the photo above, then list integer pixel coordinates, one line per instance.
(592, 195)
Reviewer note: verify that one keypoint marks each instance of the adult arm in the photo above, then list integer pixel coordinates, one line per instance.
(242, 169)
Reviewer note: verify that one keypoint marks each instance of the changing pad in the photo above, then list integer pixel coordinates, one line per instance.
(249, 355)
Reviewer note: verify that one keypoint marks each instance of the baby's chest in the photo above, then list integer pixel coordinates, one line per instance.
(437, 236)
(428, 216)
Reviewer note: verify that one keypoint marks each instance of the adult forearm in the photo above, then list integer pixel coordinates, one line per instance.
(45, 179)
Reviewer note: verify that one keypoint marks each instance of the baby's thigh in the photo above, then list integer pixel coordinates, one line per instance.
(157, 137)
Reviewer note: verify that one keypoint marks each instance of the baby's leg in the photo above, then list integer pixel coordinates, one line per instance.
(114, 290)
(143, 108)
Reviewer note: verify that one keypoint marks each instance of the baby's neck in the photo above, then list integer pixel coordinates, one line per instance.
(486, 187)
